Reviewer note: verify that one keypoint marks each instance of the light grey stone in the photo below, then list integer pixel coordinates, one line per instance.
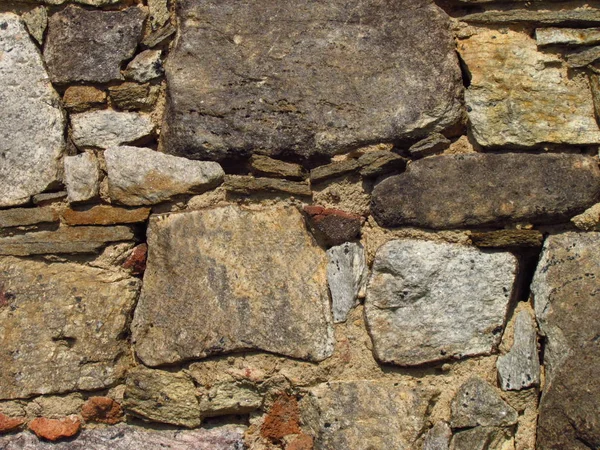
(82, 177)
(140, 176)
(478, 404)
(346, 277)
(429, 301)
(438, 437)
(32, 122)
(159, 13)
(520, 367)
(220, 272)
(36, 21)
(62, 326)
(108, 128)
(229, 398)
(483, 438)
(567, 36)
(145, 67)
(584, 57)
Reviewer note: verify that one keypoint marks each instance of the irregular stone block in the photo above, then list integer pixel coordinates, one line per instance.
(478, 404)
(263, 165)
(162, 396)
(438, 437)
(82, 177)
(9, 424)
(107, 128)
(241, 184)
(220, 271)
(333, 226)
(435, 143)
(127, 437)
(367, 414)
(480, 189)
(520, 367)
(584, 57)
(589, 219)
(335, 169)
(84, 45)
(145, 67)
(133, 96)
(32, 122)
(159, 12)
(18, 217)
(48, 198)
(429, 301)
(55, 406)
(81, 98)
(136, 261)
(80, 345)
(508, 238)
(379, 163)
(104, 215)
(282, 419)
(483, 438)
(36, 22)
(565, 288)
(287, 78)
(346, 277)
(513, 86)
(159, 36)
(567, 36)
(140, 176)
(55, 429)
(229, 398)
(102, 410)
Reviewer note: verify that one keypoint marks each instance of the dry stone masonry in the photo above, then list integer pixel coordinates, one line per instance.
(271, 225)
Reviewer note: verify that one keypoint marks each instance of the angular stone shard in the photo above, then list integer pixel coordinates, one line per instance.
(429, 301)
(305, 78)
(141, 176)
(508, 238)
(589, 219)
(438, 437)
(84, 45)
(565, 289)
(366, 414)
(435, 143)
(483, 438)
(32, 122)
(145, 67)
(453, 191)
(567, 36)
(514, 86)
(61, 327)
(82, 177)
(520, 367)
(263, 165)
(219, 270)
(108, 128)
(333, 226)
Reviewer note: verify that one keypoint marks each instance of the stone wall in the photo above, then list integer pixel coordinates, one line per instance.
(336, 225)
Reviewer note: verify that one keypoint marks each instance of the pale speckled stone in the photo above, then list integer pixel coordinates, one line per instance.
(430, 301)
(145, 67)
(229, 398)
(82, 177)
(159, 13)
(36, 21)
(589, 219)
(438, 437)
(108, 128)
(346, 277)
(483, 438)
(567, 36)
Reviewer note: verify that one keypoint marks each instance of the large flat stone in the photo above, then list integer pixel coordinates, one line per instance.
(565, 289)
(307, 78)
(481, 189)
(429, 301)
(32, 122)
(219, 270)
(521, 97)
(108, 128)
(61, 327)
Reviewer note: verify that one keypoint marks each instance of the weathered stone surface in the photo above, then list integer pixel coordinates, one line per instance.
(159, 12)
(430, 301)
(32, 123)
(64, 240)
(108, 128)
(513, 88)
(133, 96)
(159, 36)
(567, 36)
(583, 17)
(438, 437)
(379, 163)
(263, 165)
(104, 215)
(102, 410)
(478, 404)
(282, 419)
(162, 396)
(136, 261)
(584, 57)
(565, 288)
(36, 22)
(284, 77)
(346, 277)
(232, 293)
(8, 424)
(482, 438)
(55, 406)
(335, 169)
(478, 189)
(435, 143)
(241, 184)
(81, 98)
(125, 437)
(140, 176)
(145, 67)
(229, 398)
(333, 226)
(17, 217)
(589, 219)
(55, 429)
(508, 238)
(84, 313)
(85, 45)
(82, 177)
(367, 414)
(520, 367)
(48, 198)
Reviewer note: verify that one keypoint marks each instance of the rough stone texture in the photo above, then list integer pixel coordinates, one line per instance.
(84, 313)
(429, 301)
(332, 226)
(8, 424)
(64, 240)
(232, 293)
(32, 123)
(125, 437)
(379, 163)
(81, 98)
(49, 198)
(478, 404)
(282, 419)
(55, 406)
(145, 67)
(133, 96)
(159, 36)
(162, 397)
(335, 169)
(365, 415)
(435, 143)
(136, 261)
(582, 58)
(508, 238)
(36, 22)
(584, 17)
(479, 189)
(55, 429)
(82, 177)
(159, 12)
(16, 217)
(85, 45)
(520, 367)
(140, 176)
(102, 410)
(230, 398)
(241, 184)
(438, 437)
(108, 128)
(282, 77)
(104, 215)
(263, 165)
(513, 89)
(565, 287)
(589, 219)
(483, 438)
(567, 36)
(346, 277)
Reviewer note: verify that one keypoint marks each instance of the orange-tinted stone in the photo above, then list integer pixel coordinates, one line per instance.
(301, 442)
(54, 429)
(8, 424)
(282, 419)
(137, 260)
(102, 409)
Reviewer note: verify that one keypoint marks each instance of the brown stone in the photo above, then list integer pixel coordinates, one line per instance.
(133, 96)
(508, 238)
(248, 185)
(282, 419)
(137, 260)
(55, 429)
(17, 217)
(82, 98)
(301, 442)
(105, 215)
(8, 424)
(263, 165)
(332, 226)
(102, 410)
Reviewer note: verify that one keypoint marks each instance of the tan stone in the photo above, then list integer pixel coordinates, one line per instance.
(589, 219)
(104, 215)
(230, 398)
(82, 98)
(17, 217)
(55, 406)
(248, 185)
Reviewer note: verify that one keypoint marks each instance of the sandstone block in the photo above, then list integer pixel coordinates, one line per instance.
(240, 184)
(107, 128)
(81, 98)
(507, 238)
(263, 165)
(133, 96)
(104, 215)
(567, 36)
(8, 424)
(17, 217)
(229, 398)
